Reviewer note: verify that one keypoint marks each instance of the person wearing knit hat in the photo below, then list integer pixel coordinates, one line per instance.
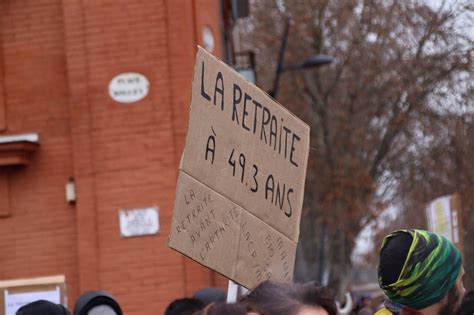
(42, 307)
(97, 302)
(421, 273)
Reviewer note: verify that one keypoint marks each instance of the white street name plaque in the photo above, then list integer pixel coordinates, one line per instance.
(128, 87)
(139, 222)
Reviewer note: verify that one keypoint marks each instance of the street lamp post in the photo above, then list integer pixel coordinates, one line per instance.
(311, 62)
(322, 251)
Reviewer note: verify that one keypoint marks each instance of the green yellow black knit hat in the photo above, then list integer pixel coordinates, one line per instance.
(428, 270)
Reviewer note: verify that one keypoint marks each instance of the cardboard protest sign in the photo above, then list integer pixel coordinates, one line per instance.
(241, 182)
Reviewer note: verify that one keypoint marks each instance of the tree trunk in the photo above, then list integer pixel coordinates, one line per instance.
(340, 248)
(334, 257)
(307, 263)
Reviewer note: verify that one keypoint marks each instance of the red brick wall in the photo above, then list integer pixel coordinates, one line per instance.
(58, 59)
(39, 237)
(2, 100)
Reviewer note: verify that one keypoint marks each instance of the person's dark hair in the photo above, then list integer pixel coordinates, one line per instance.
(286, 299)
(42, 307)
(210, 295)
(184, 306)
(311, 294)
(226, 309)
(467, 306)
(393, 256)
(272, 298)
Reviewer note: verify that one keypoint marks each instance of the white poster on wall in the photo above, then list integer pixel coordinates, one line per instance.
(139, 222)
(13, 301)
(439, 217)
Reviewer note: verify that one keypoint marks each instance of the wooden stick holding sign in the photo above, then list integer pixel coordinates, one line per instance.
(241, 181)
(232, 292)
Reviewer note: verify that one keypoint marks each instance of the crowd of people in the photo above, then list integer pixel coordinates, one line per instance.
(267, 298)
(419, 272)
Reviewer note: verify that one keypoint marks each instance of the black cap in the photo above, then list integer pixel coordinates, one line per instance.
(393, 256)
(91, 299)
(42, 307)
(210, 295)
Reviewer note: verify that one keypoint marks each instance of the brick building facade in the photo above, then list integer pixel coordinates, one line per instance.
(57, 58)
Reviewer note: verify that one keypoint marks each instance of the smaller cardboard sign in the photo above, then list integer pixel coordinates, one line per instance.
(219, 234)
